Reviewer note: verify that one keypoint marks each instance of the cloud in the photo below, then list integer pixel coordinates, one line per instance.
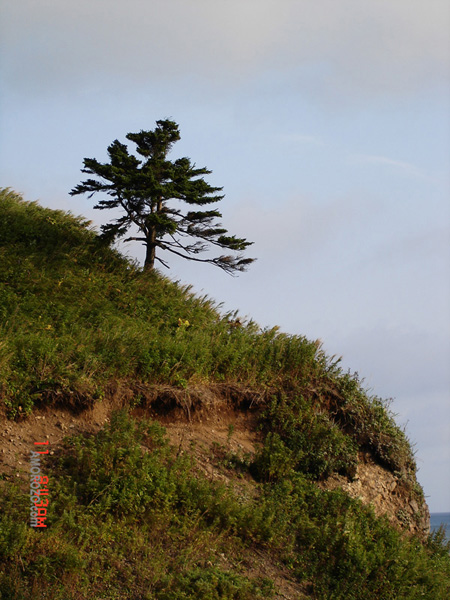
(325, 48)
(400, 165)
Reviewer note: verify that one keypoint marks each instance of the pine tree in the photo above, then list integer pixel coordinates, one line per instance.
(149, 192)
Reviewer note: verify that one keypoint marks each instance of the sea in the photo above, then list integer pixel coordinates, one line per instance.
(438, 519)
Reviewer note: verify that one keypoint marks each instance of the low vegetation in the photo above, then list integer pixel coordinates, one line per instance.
(76, 315)
(132, 518)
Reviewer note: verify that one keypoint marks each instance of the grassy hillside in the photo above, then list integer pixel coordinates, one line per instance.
(131, 517)
(76, 316)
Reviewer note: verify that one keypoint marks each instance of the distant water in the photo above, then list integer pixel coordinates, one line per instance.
(438, 519)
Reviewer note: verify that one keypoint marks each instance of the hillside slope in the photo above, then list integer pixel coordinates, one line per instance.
(276, 476)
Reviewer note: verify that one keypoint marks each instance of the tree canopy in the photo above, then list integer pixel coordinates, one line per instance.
(150, 191)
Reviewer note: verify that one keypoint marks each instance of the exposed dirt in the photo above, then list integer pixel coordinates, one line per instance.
(208, 431)
(212, 424)
(192, 426)
(50, 425)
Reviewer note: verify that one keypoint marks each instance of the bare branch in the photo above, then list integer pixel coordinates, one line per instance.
(163, 262)
(226, 263)
(135, 239)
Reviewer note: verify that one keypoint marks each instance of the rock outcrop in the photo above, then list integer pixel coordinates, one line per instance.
(387, 493)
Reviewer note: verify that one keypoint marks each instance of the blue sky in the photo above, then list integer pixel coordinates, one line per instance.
(328, 125)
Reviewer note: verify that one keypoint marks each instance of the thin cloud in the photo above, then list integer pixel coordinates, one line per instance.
(405, 167)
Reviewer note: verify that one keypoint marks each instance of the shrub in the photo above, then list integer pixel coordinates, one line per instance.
(304, 440)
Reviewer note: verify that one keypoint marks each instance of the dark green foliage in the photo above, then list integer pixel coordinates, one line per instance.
(348, 552)
(142, 189)
(212, 584)
(370, 421)
(301, 439)
(114, 477)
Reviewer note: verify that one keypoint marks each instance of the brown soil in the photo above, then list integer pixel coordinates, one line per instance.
(209, 431)
(211, 424)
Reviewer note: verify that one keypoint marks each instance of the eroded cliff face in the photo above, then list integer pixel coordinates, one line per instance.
(387, 493)
(214, 413)
(212, 423)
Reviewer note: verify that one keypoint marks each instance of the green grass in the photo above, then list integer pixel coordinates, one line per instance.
(129, 518)
(76, 316)
(78, 320)
(75, 313)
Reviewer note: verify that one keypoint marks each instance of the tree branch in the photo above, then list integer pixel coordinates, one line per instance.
(163, 262)
(225, 265)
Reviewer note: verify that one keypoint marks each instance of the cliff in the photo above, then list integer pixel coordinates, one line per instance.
(191, 455)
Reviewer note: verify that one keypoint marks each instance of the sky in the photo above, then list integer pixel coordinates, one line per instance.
(327, 124)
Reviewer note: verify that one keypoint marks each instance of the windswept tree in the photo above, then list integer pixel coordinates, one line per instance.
(149, 192)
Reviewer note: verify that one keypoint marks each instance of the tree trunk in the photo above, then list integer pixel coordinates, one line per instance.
(150, 251)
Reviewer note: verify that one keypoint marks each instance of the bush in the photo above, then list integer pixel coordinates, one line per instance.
(301, 439)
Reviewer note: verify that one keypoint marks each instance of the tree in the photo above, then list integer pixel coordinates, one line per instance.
(149, 192)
